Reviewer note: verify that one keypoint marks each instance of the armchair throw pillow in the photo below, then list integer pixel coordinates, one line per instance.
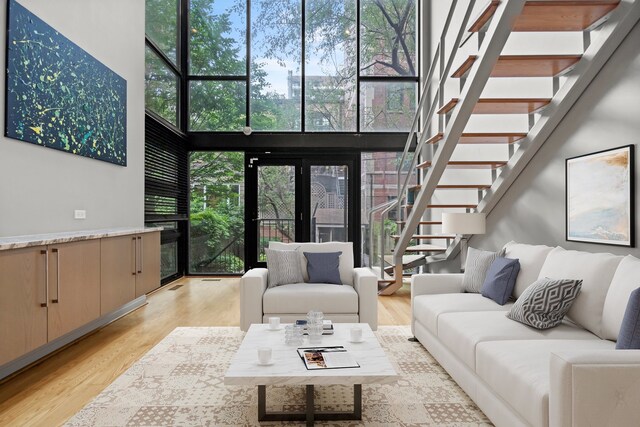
(475, 271)
(284, 267)
(501, 279)
(323, 267)
(629, 336)
(544, 304)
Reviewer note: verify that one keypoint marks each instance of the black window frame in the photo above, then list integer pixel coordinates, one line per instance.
(360, 78)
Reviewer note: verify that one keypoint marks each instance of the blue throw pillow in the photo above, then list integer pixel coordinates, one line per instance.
(501, 279)
(629, 336)
(323, 267)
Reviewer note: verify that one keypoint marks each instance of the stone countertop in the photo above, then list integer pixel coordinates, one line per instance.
(17, 242)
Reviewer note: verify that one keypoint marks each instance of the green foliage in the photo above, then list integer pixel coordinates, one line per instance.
(218, 47)
(217, 211)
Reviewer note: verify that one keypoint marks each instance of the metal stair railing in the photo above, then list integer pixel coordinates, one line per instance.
(616, 27)
(385, 208)
(497, 34)
(494, 41)
(421, 138)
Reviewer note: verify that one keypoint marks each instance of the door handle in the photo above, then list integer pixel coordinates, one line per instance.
(139, 260)
(57, 252)
(135, 250)
(46, 278)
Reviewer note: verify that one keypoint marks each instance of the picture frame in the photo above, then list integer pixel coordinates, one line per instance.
(600, 197)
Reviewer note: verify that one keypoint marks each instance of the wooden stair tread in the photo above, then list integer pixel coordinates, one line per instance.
(452, 206)
(468, 164)
(427, 236)
(524, 65)
(408, 261)
(425, 248)
(437, 205)
(422, 222)
(483, 138)
(502, 105)
(455, 187)
(552, 15)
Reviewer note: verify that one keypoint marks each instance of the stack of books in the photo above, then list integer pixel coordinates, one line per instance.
(327, 326)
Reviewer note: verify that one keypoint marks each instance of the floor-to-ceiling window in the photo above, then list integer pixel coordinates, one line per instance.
(166, 185)
(308, 74)
(216, 226)
(302, 66)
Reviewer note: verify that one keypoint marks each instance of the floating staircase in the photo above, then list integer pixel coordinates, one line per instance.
(448, 180)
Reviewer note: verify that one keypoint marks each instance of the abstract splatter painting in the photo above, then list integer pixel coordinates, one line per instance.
(600, 197)
(58, 95)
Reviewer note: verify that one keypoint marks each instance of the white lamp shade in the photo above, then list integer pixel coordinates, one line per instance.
(463, 223)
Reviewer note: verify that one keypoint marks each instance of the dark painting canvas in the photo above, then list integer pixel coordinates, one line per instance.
(59, 96)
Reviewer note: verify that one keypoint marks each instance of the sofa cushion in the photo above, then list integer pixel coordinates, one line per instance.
(427, 308)
(500, 280)
(283, 267)
(303, 297)
(475, 269)
(462, 332)
(346, 259)
(625, 280)
(544, 304)
(531, 258)
(323, 267)
(595, 271)
(518, 371)
(629, 336)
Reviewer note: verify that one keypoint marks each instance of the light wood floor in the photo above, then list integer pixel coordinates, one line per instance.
(51, 392)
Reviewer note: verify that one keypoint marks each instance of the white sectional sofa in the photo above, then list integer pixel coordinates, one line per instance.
(356, 300)
(570, 375)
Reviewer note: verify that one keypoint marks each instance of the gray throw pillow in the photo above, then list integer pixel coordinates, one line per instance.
(543, 304)
(475, 270)
(284, 267)
(629, 336)
(323, 267)
(501, 279)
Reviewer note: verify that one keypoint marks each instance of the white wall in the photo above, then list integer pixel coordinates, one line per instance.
(607, 115)
(41, 187)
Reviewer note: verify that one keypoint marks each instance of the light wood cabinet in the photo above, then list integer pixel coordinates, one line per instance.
(117, 272)
(74, 286)
(148, 263)
(51, 295)
(23, 301)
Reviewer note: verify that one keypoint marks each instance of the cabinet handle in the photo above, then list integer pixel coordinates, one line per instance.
(46, 278)
(135, 261)
(140, 260)
(57, 252)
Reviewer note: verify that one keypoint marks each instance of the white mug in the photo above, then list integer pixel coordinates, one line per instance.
(356, 333)
(274, 322)
(264, 355)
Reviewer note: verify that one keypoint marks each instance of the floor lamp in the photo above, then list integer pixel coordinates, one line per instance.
(464, 224)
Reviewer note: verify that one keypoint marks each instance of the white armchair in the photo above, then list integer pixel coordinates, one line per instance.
(355, 301)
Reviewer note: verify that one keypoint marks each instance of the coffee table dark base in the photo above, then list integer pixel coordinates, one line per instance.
(310, 416)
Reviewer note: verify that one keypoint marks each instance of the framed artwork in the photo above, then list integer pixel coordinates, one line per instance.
(600, 197)
(58, 95)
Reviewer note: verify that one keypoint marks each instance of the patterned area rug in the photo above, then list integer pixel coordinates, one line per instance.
(180, 383)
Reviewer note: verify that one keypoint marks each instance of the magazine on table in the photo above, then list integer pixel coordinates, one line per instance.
(336, 357)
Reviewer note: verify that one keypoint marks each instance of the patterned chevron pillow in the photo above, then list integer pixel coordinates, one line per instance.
(284, 267)
(543, 304)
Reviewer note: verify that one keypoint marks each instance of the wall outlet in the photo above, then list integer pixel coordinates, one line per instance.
(80, 214)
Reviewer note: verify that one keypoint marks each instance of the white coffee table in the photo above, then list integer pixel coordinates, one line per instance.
(288, 369)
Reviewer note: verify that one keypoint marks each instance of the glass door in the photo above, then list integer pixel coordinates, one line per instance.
(329, 219)
(276, 220)
(296, 199)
